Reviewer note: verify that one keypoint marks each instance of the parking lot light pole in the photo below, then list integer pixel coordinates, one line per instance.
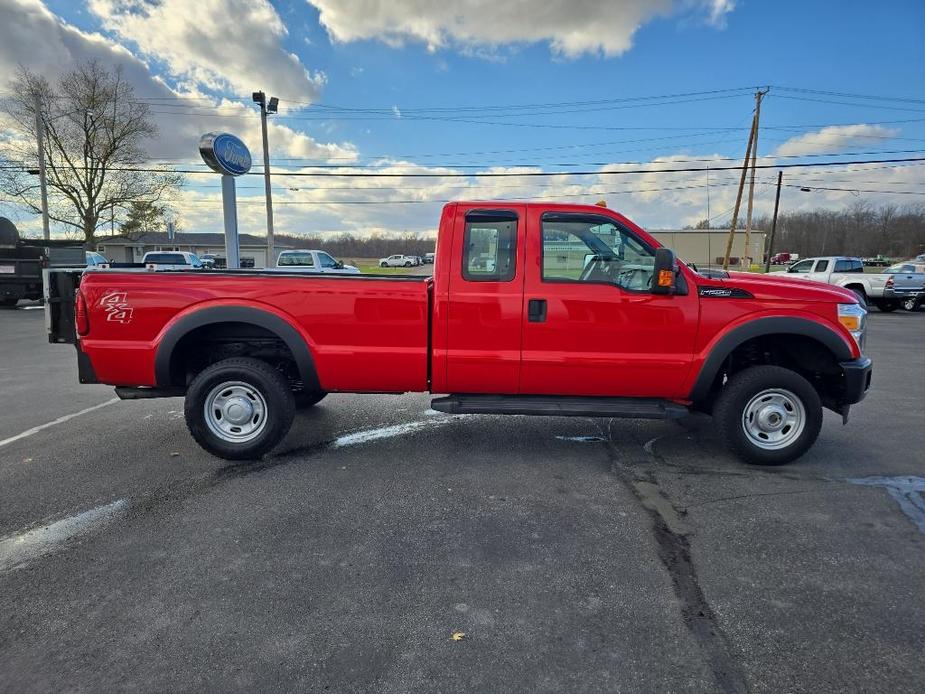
(266, 107)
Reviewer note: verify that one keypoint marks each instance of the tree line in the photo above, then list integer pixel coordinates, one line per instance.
(862, 229)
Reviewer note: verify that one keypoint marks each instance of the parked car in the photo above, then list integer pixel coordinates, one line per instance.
(535, 332)
(884, 290)
(429, 258)
(313, 261)
(208, 260)
(906, 270)
(95, 259)
(397, 261)
(171, 260)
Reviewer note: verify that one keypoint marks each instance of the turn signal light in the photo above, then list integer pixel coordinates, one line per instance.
(81, 318)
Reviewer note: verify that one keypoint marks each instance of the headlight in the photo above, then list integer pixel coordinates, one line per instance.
(854, 318)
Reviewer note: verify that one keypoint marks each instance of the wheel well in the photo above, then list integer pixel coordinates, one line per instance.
(805, 355)
(856, 287)
(214, 342)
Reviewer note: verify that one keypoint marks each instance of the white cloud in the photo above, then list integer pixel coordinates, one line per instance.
(214, 44)
(571, 27)
(836, 138)
(181, 116)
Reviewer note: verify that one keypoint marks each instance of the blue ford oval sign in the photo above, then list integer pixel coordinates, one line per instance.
(225, 153)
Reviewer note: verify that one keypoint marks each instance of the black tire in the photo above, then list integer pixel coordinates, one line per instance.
(887, 305)
(730, 411)
(408, 264)
(383, 264)
(306, 399)
(256, 375)
(8, 303)
(911, 304)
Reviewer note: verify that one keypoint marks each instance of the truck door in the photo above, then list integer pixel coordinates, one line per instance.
(821, 271)
(591, 326)
(485, 302)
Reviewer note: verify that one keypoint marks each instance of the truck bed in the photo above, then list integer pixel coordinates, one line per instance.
(366, 333)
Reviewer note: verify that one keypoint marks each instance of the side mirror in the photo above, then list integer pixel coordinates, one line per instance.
(339, 264)
(663, 276)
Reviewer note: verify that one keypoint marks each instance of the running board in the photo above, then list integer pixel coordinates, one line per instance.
(560, 406)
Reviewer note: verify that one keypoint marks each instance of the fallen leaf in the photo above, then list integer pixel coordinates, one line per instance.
(458, 635)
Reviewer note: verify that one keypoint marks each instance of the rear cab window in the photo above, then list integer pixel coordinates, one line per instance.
(490, 246)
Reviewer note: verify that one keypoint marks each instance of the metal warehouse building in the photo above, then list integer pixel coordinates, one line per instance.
(706, 247)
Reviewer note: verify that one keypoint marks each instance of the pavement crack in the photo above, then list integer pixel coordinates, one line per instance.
(671, 533)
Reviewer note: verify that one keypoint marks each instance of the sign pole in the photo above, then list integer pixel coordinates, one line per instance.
(227, 155)
(230, 211)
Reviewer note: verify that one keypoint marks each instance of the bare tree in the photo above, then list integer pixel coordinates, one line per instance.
(95, 130)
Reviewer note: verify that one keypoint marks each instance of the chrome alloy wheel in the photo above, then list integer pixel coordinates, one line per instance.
(235, 411)
(774, 419)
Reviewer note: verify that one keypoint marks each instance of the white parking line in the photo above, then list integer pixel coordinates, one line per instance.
(59, 420)
(387, 432)
(18, 549)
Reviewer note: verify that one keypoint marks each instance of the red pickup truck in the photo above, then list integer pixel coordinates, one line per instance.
(541, 309)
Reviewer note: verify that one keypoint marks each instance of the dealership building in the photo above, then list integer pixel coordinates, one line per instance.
(122, 249)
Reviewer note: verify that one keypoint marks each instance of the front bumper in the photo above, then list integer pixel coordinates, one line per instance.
(857, 379)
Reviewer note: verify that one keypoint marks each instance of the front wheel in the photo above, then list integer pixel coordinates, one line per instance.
(239, 408)
(768, 415)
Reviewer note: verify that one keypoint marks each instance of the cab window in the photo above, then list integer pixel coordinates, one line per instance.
(802, 266)
(326, 260)
(822, 266)
(296, 259)
(582, 248)
(490, 246)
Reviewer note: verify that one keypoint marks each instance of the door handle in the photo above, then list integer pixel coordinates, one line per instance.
(536, 310)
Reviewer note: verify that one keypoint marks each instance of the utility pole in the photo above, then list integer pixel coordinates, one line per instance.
(265, 108)
(767, 263)
(751, 184)
(40, 136)
(735, 212)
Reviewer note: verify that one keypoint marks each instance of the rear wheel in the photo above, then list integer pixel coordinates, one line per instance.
(240, 408)
(887, 305)
(408, 264)
(383, 264)
(9, 303)
(861, 295)
(911, 304)
(768, 415)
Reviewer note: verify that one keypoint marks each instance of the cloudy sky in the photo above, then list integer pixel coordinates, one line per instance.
(442, 94)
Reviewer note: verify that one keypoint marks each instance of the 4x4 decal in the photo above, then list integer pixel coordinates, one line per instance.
(117, 307)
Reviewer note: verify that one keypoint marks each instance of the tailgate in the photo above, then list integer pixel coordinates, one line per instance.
(20, 268)
(60, 290)
(908, 282)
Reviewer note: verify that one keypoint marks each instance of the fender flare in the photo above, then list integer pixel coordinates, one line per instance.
(235, 314)
(835, 343)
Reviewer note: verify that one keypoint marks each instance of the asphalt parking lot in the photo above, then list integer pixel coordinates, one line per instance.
(573, 554)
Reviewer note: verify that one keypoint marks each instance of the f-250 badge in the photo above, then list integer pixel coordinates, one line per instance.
(117, 308)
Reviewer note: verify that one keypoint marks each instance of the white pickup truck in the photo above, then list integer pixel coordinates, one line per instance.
(313, 261)
(887, 290)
